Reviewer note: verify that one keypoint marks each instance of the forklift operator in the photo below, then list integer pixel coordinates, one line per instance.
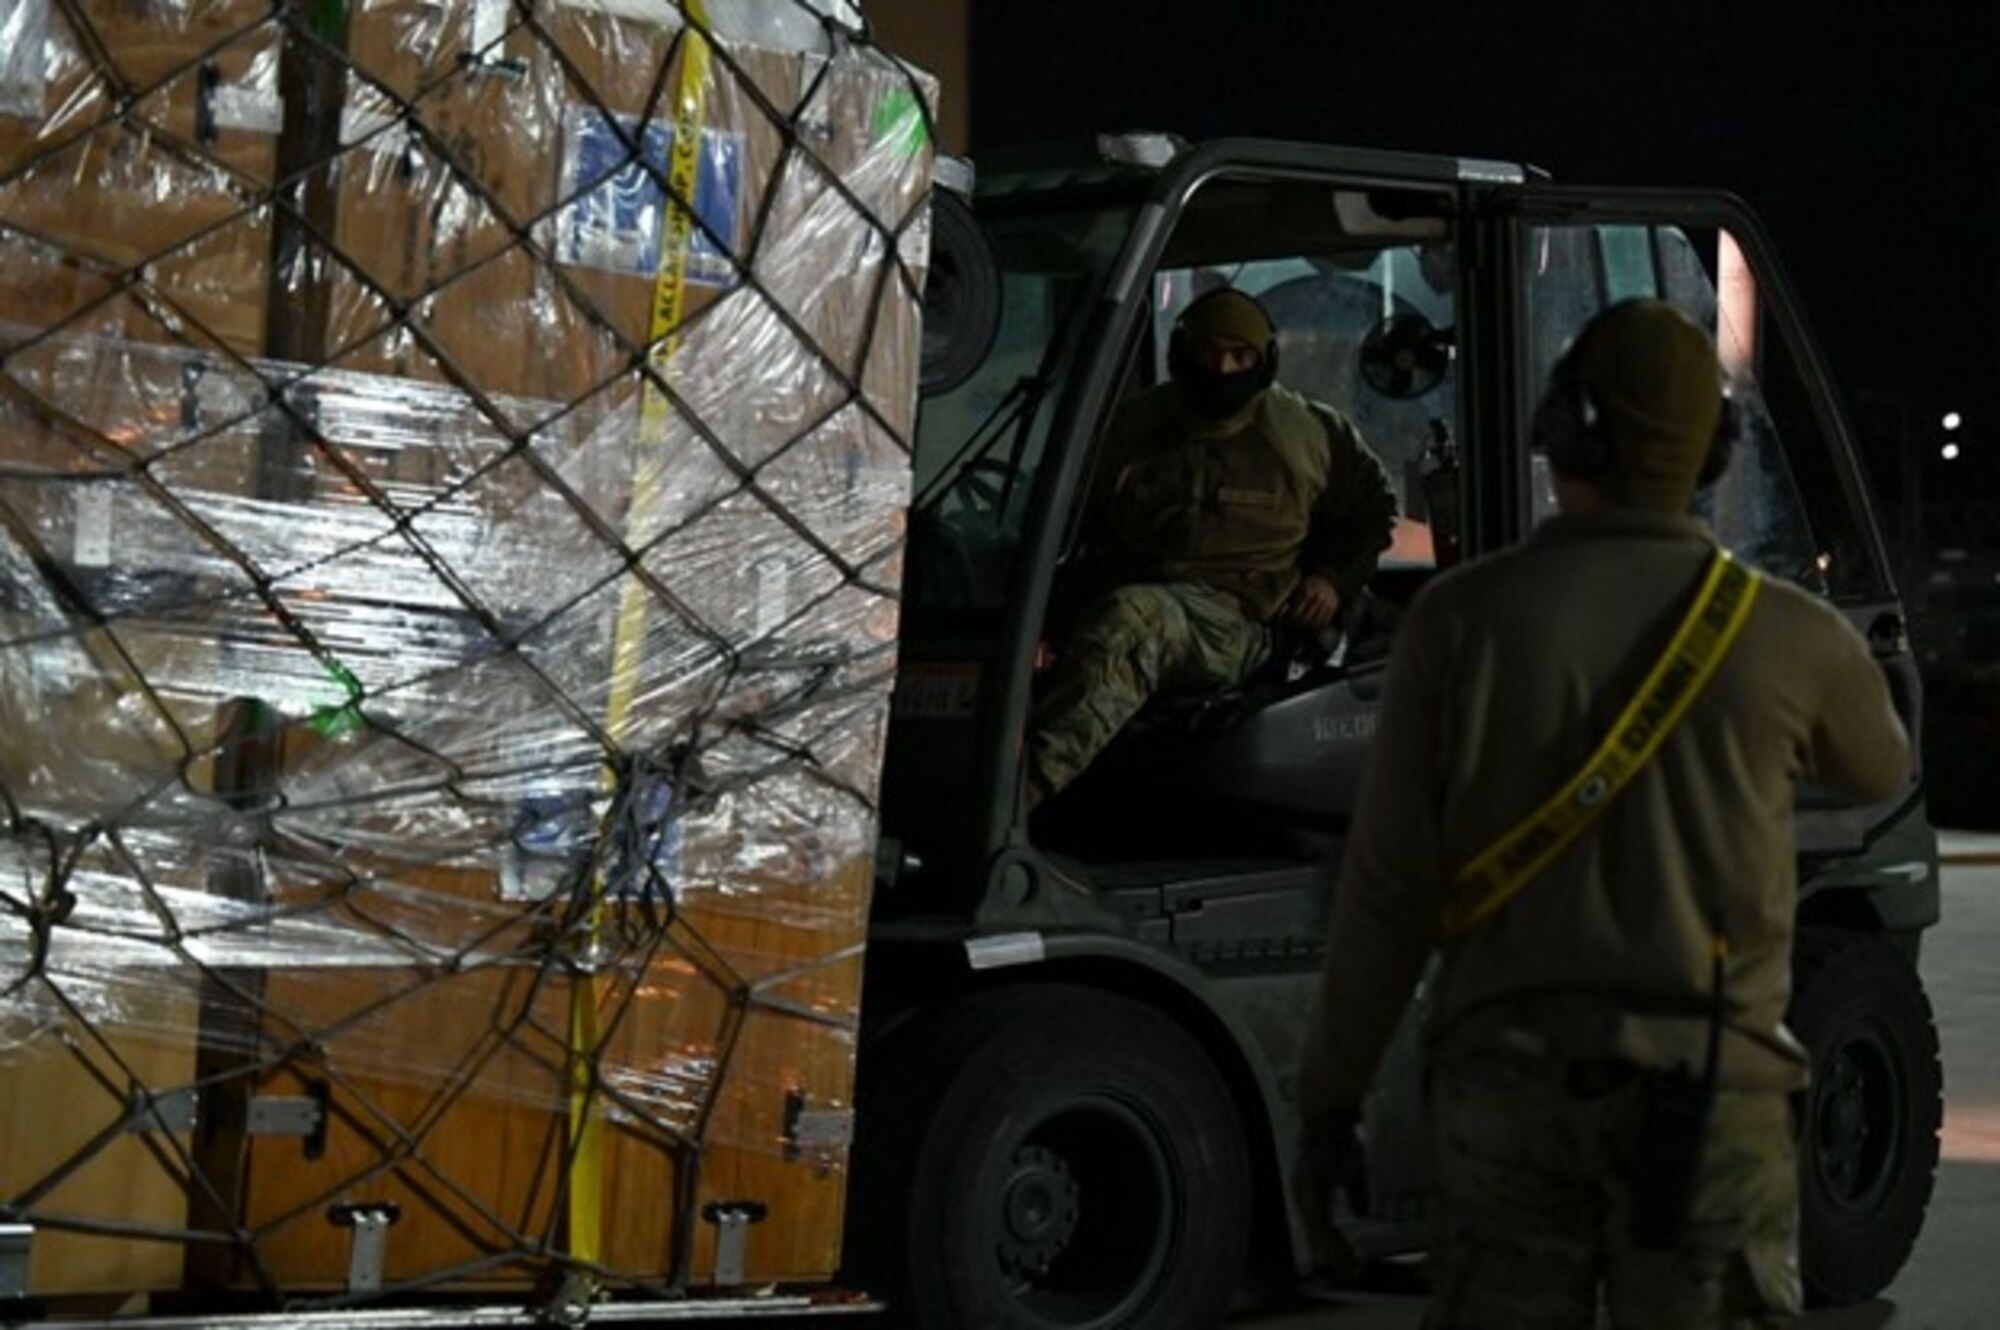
(1223, 502)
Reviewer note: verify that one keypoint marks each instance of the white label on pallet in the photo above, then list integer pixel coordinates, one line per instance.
(660, 13)
(255, 110)
(1001, 950)
(792, 25)
(91, 547)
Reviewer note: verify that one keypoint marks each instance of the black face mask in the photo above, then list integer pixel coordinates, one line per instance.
(1214, 396)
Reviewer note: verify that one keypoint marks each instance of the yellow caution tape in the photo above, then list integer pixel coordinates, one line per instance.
(1500, 871)
(690, 110)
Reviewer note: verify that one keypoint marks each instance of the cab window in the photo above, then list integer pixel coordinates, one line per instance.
(1781, 505)
(981, 443)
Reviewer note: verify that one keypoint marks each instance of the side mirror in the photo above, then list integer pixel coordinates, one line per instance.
(961, 290)
(1405, 356)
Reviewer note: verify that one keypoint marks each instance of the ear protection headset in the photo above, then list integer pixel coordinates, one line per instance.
(1569, 428)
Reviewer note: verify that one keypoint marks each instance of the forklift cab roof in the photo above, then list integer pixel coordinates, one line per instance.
(1134, 162)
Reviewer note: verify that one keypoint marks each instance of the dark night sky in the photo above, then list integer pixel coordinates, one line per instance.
(1867, 135)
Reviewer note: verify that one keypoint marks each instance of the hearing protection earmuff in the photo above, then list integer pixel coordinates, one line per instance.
(1569, 428)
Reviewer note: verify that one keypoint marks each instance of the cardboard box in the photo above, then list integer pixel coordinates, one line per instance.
(79, 1148)
(137, 141)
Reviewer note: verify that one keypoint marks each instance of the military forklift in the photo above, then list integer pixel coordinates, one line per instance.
(1075, 1104)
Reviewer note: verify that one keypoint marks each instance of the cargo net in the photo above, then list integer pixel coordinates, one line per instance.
(453, 456)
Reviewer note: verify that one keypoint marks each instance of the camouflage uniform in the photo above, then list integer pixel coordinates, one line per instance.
(1536, 1206)
(1197, 533)
(1134, 643)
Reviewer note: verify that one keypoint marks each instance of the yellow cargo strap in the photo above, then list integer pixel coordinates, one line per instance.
(1500, 871)
(690, 110)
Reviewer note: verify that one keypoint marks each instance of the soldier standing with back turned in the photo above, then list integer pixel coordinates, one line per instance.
(1609, 1067)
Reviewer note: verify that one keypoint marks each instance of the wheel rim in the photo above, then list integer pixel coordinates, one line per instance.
(1073, 1246)
(1857, 1120)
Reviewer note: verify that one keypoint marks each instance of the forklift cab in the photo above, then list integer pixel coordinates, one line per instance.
(1425, 300)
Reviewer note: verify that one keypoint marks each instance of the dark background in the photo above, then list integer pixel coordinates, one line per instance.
(1867, 136)
(1865, 133)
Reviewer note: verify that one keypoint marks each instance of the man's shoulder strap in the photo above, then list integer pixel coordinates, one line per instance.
(1500, 871)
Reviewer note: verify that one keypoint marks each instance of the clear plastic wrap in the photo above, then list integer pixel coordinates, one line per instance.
(447, 613)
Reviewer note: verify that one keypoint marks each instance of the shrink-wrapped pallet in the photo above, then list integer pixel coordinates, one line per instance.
(449, 546)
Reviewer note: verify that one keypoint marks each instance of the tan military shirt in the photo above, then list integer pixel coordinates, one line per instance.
(1505, 676)
(1246, 505)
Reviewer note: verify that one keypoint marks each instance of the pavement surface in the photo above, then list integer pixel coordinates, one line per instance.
(1952, 1281)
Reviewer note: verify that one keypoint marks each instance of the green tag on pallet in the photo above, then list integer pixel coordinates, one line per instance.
(901, 115)
(336, 719)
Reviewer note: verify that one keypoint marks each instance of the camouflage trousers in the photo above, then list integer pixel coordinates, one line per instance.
(1128, 646)
(1536, 1206)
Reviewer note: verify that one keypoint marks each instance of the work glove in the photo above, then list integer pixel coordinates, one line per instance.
(1331, 1160)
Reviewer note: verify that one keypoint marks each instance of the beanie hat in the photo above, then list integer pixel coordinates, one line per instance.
(1227, 312)
(1650, 378)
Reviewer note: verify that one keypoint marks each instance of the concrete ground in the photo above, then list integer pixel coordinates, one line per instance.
(1952, 1281)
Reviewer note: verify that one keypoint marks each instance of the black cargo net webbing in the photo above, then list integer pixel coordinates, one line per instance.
(338, 835)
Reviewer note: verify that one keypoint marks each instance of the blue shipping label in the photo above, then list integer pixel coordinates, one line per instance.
(618, 183)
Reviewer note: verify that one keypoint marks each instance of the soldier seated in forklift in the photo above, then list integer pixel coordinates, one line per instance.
(1231, 526)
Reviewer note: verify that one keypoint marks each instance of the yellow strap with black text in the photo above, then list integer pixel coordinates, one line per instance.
(690, 112)
(1498, 873)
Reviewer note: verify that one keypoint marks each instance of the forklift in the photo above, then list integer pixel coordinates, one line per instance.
(1075, 1105)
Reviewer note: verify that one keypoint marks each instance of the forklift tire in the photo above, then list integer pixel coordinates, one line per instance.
(1868, 1148)
(1048, 1158)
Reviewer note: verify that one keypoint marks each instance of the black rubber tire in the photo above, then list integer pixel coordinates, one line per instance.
(1048, 1158)
(1868, 1148)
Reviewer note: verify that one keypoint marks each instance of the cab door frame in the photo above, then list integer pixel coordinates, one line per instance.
(1827, 827)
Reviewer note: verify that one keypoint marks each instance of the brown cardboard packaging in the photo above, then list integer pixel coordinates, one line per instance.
(133, 156)
(56, 1101)
(515, 226)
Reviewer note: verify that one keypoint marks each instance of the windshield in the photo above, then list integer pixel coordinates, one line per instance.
(979, 445)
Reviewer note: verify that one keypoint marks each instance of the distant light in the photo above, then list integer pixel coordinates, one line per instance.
(1950, 451)
(1952, 420)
